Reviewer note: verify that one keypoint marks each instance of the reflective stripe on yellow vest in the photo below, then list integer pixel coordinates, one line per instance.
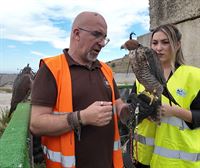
(60, 150)
(175, 144)
(146, 133)
(145, 140)
(177, 154)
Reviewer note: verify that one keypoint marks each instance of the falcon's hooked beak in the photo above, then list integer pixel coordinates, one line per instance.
(123, 47)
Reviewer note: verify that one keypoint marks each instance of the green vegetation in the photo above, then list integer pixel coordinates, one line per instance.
(4, 120)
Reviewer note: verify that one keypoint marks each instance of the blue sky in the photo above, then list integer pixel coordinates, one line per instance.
(33, 29)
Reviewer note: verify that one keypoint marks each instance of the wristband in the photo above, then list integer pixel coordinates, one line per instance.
(74, 123)
(79, 117)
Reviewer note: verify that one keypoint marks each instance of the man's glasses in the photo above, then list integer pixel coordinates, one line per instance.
(97, 35)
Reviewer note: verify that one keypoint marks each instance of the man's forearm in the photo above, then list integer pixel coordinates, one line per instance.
(44, 122)
(50, 124)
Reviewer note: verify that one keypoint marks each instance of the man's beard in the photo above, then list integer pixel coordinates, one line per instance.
(91, 57)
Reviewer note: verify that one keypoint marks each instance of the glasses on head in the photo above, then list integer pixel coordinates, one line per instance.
(97, 35)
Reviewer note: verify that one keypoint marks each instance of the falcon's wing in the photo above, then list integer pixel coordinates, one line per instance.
(145, 69)
(155, 66)
(21, 91)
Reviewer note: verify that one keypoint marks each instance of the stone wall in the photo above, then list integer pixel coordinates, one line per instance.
(145, 39)
(175, 11)
(185, 14)
(190, 41)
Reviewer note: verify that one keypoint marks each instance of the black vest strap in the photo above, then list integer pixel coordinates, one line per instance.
(169, 96)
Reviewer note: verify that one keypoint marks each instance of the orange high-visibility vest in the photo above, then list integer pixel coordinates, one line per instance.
(60, 150)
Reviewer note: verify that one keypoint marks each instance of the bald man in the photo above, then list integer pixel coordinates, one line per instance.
(75, 102)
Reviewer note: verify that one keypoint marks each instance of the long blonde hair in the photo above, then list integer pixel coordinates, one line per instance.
(174, 37)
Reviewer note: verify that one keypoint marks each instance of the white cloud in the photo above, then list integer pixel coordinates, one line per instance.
(38, 53)
(31, 20)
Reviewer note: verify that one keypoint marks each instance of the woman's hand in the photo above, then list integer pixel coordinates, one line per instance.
(169, 111)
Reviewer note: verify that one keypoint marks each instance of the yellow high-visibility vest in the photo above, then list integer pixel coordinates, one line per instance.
(176, 145)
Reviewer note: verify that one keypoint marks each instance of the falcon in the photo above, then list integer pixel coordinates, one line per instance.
(146, 67)
(21, 87)
(148, 71)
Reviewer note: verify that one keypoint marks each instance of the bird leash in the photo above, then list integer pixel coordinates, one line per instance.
(136, 132)
(133, 127)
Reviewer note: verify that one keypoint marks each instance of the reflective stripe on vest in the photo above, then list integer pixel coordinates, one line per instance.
(175, 122)
(66, 161)
(145, 140)
(114, 109)
(176, 154)
(117, 145)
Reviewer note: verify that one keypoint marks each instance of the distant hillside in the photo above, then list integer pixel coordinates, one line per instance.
(7, 79)
(120, 65)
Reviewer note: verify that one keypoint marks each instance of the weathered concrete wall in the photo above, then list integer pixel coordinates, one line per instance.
(190, 41)
(145, 39)
(185, 14)
(172, 11)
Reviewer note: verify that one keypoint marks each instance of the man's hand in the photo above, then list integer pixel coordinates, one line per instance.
(99, 113)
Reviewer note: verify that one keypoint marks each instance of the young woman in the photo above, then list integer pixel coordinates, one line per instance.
(175, 143)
